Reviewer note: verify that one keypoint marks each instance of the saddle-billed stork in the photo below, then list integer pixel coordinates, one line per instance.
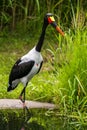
(30, 64)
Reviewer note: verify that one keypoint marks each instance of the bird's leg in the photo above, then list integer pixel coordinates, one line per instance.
(20, 97)
(24, 105)
(23, 100)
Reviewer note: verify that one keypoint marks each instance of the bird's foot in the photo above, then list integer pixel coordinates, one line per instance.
(24, 105)
(20, 97)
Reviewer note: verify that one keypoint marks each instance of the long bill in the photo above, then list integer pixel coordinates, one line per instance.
(51, 21)
(59, 30)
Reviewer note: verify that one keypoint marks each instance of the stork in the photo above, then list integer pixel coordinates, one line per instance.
(30, 64)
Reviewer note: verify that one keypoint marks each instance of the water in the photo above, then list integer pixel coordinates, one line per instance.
(36, 120)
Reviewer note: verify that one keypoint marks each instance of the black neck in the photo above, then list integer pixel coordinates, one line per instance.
(41, 39)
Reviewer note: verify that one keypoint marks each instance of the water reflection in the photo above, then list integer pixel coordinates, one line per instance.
(36, 120)
(33, 126)
(31, 122)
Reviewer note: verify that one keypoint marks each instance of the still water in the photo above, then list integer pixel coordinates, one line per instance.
(36, 120)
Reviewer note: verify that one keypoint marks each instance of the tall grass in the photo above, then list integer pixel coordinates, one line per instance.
(70, 61)
(21, 16)
(69, 77)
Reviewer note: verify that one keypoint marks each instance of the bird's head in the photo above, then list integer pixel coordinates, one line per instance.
(49, 19)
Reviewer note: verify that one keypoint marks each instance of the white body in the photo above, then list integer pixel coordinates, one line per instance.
(37, 58)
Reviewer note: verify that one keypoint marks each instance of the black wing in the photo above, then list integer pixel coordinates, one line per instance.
(20, 70)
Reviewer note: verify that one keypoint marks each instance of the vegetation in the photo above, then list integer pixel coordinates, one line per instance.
(21, 15)
(62, 79)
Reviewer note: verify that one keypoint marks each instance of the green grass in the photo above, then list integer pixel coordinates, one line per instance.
(70, 68)
(62, 79)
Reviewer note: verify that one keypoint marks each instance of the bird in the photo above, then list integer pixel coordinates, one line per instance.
(30, 64)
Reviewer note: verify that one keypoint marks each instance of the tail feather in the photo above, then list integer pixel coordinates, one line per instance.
(12, 86)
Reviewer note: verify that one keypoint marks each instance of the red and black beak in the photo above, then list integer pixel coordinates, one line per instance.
(51, 21)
